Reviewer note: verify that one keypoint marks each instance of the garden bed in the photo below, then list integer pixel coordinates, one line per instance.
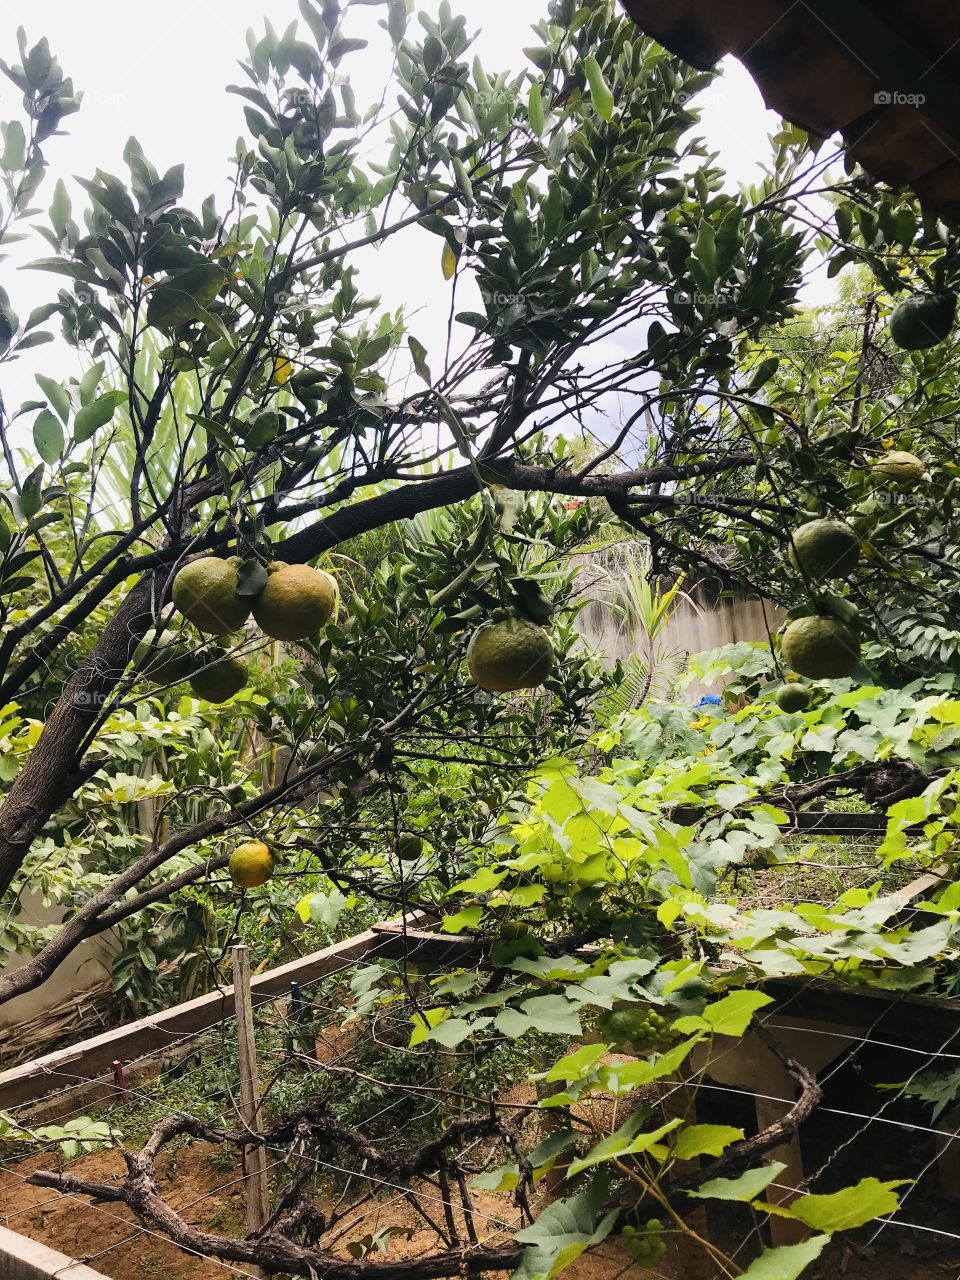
(197, 1072)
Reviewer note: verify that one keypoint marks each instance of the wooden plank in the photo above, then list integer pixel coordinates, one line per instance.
(24, 1259)
(89, 1060)
(923, 1022)
(819, 820)
(837, 824)
(436, 948)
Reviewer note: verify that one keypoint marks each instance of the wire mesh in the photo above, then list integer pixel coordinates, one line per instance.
(204, 1077)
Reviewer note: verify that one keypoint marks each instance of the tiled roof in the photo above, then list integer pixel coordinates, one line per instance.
(883, 73)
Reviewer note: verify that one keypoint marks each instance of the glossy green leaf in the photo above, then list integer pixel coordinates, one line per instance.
(599, 90)
(48, 436)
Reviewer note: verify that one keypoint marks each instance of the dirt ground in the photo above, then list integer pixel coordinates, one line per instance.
(198, 1181)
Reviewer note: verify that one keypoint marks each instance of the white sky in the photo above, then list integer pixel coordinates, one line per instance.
(159, 73)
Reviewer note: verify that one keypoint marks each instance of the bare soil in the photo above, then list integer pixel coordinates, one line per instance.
(198, 1182)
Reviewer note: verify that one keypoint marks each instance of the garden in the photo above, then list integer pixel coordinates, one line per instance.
(388, 888)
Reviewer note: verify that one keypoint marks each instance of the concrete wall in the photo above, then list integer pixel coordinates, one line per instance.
(85, 972)
(23, 1259)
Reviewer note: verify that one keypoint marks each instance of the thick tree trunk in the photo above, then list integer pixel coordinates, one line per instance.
(48, 778)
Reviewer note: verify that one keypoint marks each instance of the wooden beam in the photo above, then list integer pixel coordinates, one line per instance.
(436, 948)
(923, 1022)
(89, 1061)
(837, 824)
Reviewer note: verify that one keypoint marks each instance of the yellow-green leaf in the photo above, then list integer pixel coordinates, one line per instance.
(787, 1262)
(448, 262)
(704, 1140)
(849, 1208)
(625, 1142)
(745, 1188)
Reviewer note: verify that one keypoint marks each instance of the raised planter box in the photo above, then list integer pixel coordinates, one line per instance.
(24, 1259)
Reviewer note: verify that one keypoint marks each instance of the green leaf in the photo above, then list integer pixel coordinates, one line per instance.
(90, 382)
(599, 90)
(849, 1208)
(763, 373)
(745, 1188)
(554, 1015)
(727, 1017)
(419, 353)
(562, 1232)
(183, 298)
(624, 1142)
(704, 1140)
(425, 1021)
(48, 436)
(251, 578)
(453, 1031)
(57, 396)
(60, 209)
(705, 251)
(94, 415)
(30, 498)
(512, 1023)
(630, 1075)
(15, 146)
(468, 918)
(215, 429)
(787, 1262)
(576, 1065)
(374, 351)
(535, 108)
(463, 179)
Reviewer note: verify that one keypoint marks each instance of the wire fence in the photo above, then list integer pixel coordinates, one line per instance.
(313, 1044)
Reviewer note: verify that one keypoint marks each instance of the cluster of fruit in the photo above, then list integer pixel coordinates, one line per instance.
(294, 602)
(647, 1244)
(639, 1027)
(826, 646)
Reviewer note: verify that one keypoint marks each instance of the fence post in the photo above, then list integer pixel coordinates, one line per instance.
(120, 1080)
(255, 1156)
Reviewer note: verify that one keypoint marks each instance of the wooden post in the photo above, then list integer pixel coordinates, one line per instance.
(254, 1156)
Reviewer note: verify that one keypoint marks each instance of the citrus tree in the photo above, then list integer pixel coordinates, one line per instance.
(266, 412)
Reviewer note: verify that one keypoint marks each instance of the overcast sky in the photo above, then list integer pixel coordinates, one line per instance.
(159, 72)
